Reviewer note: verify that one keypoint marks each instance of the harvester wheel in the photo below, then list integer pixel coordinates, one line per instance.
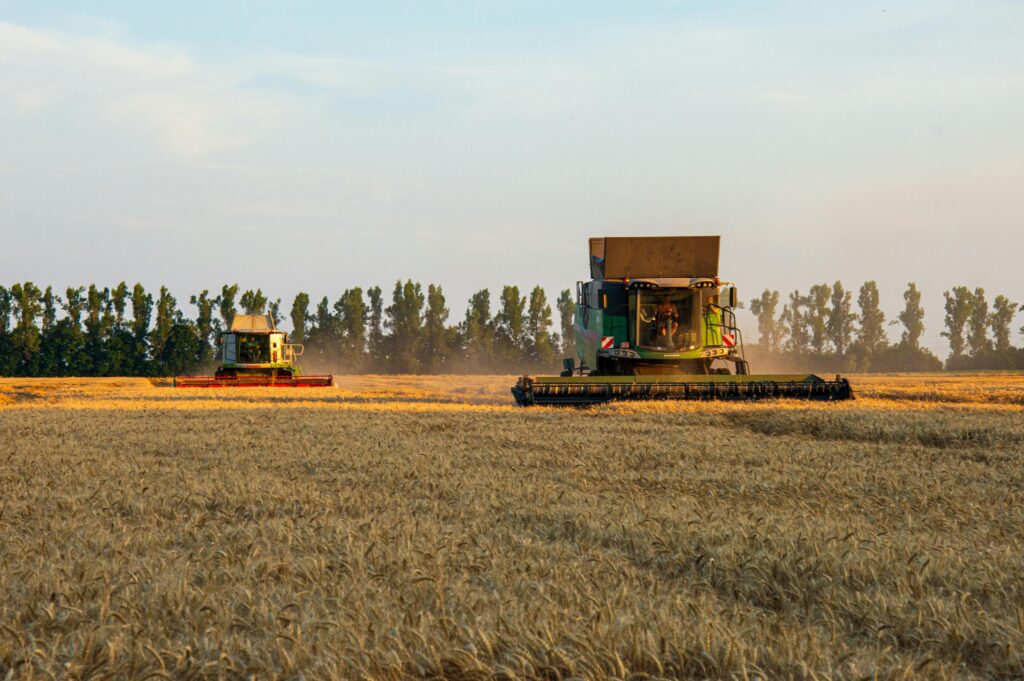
(742, 367)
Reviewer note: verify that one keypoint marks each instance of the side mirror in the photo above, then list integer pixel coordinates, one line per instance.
(734, 298)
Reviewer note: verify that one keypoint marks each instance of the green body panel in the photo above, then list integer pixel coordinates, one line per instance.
(602, 323)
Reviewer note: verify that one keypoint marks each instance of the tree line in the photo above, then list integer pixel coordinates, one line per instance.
(128, 331)
(821, 326)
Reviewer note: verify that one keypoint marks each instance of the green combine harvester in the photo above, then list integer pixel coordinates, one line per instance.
(656, 322)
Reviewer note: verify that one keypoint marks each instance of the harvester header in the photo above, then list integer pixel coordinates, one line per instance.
(656, 322)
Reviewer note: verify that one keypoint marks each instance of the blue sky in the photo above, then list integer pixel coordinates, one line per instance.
(321, 145)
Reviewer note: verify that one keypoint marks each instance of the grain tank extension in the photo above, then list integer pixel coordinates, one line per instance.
(656, 322)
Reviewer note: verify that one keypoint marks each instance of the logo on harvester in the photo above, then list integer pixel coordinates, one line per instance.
(728, 339)
(607, 342)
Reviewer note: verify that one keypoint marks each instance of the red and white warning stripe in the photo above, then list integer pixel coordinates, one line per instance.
(607, 342)
(729, 340)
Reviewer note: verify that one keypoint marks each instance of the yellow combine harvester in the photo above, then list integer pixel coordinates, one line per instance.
(254, 353)
(656, 322)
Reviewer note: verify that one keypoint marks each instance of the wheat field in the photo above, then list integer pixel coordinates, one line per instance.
(424, 527)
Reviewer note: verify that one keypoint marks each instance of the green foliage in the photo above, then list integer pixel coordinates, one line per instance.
(840, 319)
(253, 302)
(227, 304)
(817, 317)
(351, 314)
(142, 311)
(375, 329)
(566, 317)
(509, 327)
(118, 298)
(1001, 319)
(912, 317)
(274, 310)
(26, 306)
(439, 340)
(50, 302)
(8, 359)
(300, 311)
(405, 320)
(795, 321)
(413, 334)
(769, 329)
(477, 332)
(871, 335)
(540, 346)
(204, 324)
(977, 324)
(958, 310)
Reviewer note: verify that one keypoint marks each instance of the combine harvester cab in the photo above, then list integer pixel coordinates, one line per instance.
(656, 322)
(254, 354)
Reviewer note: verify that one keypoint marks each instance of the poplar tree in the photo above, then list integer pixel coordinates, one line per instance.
(817, 316)
(977, 324)
(795, 319)
(405, 321)
(27, 306)
(121, 343)
(323, 334)
(95, 331)
(912, 317)
(166, 307)
(509, 327)
(227, 304)
(1001, 319)
(768, 328)
(118, 298)
(299, 314)
(204, 324)
(567, 318)
(51, 348)
(841, 319)
(871, 336)
(350, 312)
(50, 302)
(8, 363)
(477, 331)
(75, 360)
(376, 350)
(253, 302)
(958, 310)
(541, 347)
(437, 339)
(142, 310)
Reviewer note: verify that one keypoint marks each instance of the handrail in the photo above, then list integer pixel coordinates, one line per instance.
(726, 322)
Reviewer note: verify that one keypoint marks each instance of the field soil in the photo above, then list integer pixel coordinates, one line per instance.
(425, 527)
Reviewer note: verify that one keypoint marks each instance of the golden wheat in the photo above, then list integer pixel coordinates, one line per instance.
(423, 527)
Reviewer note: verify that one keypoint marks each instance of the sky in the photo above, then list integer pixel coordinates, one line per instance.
(318, 146)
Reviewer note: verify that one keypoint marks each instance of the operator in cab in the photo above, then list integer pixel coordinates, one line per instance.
(667, 319)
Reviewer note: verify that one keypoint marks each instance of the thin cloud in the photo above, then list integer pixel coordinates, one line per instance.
(187, 108)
